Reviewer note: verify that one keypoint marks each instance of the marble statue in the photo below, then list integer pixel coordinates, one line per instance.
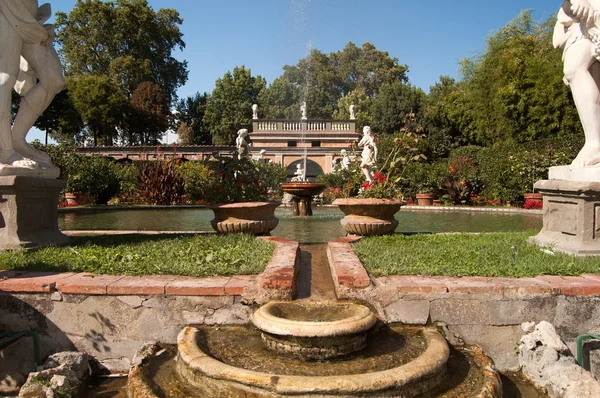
(241, 144)
(261, 156)
(345, 159)
(303, 110)
(299, 174)
(254, 112)
(352, 112)
(577, 33)
(30, 65)
(369, 153)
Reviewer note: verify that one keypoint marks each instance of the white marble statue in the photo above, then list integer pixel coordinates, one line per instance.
(577, 33)
(30, 65)
(254, 112)
(261, 156)
(345, 159)
(369, 153)
(241, 144)
(299, 174)
(303, 110)
(352, 112)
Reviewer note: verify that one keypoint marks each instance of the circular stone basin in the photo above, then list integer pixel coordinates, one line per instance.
(303, 188)
(314, 330)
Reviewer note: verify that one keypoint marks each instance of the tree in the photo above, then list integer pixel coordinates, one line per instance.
(61, 120)
(514, 90)
(280, 100)
(229, 107)
(190, 113)
(125, 41)
(101, 104)
(151, 116)
(394, 102)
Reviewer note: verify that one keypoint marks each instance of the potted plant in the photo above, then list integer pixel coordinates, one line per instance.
(372, 212)
(240, 193)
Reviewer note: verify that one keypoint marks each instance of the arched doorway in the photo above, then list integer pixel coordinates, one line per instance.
(312, 169)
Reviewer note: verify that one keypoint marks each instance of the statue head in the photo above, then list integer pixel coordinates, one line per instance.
(343, 152)
(242, 132)
(367, 130)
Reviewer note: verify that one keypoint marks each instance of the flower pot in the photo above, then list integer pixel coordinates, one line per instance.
(368, 217)
(533, 200)
(425, 199)
(257, 218)
(77, 198)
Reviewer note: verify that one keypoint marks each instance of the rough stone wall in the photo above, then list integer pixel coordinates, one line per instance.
(111, 328)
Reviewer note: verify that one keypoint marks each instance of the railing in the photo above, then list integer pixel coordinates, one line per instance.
(304, 125)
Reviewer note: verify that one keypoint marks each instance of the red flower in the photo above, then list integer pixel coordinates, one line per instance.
(379, 177)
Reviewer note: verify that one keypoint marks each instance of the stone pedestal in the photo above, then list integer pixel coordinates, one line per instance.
(571, 217)
(28, 212)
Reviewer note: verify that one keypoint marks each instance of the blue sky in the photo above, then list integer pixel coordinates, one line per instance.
(264, 35)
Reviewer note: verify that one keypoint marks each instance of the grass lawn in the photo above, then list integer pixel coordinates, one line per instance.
(498, 254)
(193, 255)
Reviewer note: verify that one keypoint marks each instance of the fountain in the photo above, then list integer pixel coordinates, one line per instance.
(317, 349)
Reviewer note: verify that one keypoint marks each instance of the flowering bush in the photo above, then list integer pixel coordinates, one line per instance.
(381, 188)
(531, 204)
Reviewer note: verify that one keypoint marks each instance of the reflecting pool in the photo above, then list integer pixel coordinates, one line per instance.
(323, 226)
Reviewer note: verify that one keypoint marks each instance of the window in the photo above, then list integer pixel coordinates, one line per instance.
(292, 143)
(315, 143)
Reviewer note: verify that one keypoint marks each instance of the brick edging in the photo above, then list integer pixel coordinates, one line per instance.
(278, 279)
(348, 272)
(346, 269)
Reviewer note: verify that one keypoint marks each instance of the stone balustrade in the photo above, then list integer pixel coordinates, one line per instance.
(303, 125)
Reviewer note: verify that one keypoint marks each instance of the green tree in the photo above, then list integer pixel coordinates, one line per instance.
(190, 120)
(280, 100)
(101, 104)
(514, 90)
(125, 41)
(391, 106)
(229, 107)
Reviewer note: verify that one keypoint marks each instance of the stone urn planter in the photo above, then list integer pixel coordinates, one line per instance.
(257, 218)
(77, 198)
(425, 199)
(367, 217)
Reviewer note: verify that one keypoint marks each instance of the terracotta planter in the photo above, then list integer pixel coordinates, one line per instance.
(536, 198)
(367, 217)
(425, 199)
(77, 198)
(256, 218)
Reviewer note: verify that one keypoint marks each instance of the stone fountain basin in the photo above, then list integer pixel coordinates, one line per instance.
(220, 379)
(313, 319)
(303, 188)
(314, 330)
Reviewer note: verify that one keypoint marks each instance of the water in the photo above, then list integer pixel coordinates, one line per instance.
(323, 226)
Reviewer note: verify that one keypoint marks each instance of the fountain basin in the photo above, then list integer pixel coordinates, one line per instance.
(314, 330)
(302, 193)
(216, 378)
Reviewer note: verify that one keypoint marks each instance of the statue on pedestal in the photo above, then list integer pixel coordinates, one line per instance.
(241, 144)
(299, 174)
(30, 65)
(254, 112)
(369, 153)
(352, 112)
(303, 110)
(577, 33)
(345, 159)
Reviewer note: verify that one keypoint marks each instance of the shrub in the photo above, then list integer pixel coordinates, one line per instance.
(160, 183)
(196, 177)
(531, 204)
